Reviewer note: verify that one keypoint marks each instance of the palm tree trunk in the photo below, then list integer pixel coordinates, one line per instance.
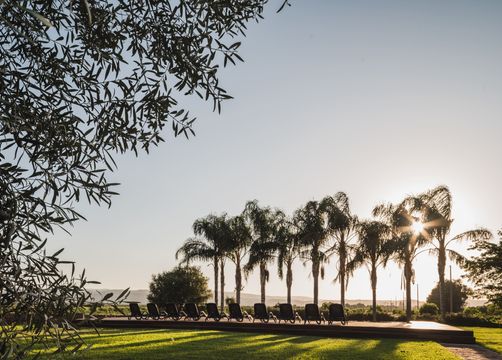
(373, 290)
(408, 271)
(263, 279)
(442, 287)
(238, 280)
(222, 284)
(343, 260)
(216, 274)
(315, 275)
(289, 280)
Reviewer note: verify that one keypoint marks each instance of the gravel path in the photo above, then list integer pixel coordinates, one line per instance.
(472, 352)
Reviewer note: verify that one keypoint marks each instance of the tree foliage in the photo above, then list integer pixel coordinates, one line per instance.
(80, 82)
(435, 206)
(485, 270)
(459, 291)
(181, 285)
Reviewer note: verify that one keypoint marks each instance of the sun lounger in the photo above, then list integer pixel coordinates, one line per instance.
(312, 313)
(236, 313)
(192, 312)
(214, 313)
(261, 313)
(153, 311)
(286, 313)
(136, 312)
(171, 311)
(337, 313)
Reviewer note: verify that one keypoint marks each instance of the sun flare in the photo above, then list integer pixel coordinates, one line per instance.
(417, 227)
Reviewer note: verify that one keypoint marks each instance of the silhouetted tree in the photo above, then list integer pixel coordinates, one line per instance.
(436, 207)
(342, 225)
(287, 248)
(373, 249)
(210, 246)
(313, 229)
(460, 293)
(405, 240)
(485, 270)
(265, 223)
(239, 241)
(180, 285)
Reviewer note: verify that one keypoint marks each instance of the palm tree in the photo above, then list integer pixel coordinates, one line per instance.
(209, 246)
(313, 233)
(264, 223)
(343, 226)
(239, 241)
(373, 250)
(436, 206)
(405, 239)
(287, 248)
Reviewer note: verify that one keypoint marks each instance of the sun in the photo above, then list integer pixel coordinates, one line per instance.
(417, 227)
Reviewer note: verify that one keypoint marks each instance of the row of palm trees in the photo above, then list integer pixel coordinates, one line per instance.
(320, 230)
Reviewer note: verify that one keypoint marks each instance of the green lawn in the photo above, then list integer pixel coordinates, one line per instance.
(490, 338)
(191, 344)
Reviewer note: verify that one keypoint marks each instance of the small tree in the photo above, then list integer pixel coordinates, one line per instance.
(181, 285)
(460, 294)
(485, 270)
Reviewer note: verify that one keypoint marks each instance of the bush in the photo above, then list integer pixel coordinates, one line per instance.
(181, 285)
(429, 309)
(460, 319)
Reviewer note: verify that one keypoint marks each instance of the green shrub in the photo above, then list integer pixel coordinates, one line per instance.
(429, 309)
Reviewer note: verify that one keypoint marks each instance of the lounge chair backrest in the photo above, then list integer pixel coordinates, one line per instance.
(212, 310)
(312, 312)
(172, 310)
(135, 310)
(286, 312)
(192, 310)
(260, 311)
(153, 310)
(235, 311)
(336, 312)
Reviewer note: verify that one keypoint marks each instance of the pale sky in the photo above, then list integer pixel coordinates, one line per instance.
(377, 99)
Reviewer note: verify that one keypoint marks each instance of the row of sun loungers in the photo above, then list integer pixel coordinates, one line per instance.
(286, 313)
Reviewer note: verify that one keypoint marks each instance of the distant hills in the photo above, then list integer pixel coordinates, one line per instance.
(249, 299)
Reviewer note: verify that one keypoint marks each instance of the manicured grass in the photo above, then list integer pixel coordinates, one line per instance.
(182, 344)
(490, 338)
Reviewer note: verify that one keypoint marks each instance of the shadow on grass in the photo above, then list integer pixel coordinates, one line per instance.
(182, 344)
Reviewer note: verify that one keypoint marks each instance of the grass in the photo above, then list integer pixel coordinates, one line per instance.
(151, 344)
(490, 338)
